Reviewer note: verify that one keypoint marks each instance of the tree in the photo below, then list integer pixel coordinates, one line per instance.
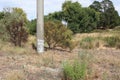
(84, 19)
(69, 9)
(108, 14)
(96, 5)
(89, 21)
(15, 21)
(55, 16)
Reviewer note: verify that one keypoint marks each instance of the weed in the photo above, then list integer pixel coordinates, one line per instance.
(86, 43)
(111, 41)
(75, 71)
(78, 69)
(89, 43)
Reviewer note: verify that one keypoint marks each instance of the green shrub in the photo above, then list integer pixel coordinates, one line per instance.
(112, 41)
(57, 35)
(75, 71)
(86, 43)
(79, 69)
(14, 22)
(89, 43)
(4, 36)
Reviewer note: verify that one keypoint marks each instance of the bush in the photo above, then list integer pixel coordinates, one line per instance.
(75, 71)
(57, 35)
(79, 69)
(112, 41)
(89, 43)
(3, 33)
(14, 22)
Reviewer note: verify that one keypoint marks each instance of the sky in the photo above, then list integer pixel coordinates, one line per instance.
(29, 6)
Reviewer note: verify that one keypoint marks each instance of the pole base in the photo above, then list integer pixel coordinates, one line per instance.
(40, 46)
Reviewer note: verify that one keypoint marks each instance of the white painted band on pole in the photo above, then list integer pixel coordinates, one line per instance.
(40, 44)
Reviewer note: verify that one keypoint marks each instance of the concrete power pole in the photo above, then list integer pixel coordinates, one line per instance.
(67, 0)
(40, 26)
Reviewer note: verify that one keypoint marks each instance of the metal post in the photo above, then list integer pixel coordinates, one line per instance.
(40, 26)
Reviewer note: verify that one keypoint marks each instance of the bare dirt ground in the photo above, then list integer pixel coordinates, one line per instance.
(25, 64)
(47, 66)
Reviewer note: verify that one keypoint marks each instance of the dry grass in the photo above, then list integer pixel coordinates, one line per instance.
(15, 75)
(96, 34)
(97, 40)
(10, 48)
(108, 61)
(105, 63)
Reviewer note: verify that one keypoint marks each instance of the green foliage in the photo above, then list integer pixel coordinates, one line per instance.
(96, 5)
(84, 19)
(69, 9)
(1, 15)
(112, 41)
(109, 17)
(14, 22)
(57, 34)
(79, 68)
(32, 26)
(55, 16)
(3, 34)
(89, 43)
(75, 71)
(99, 15)
(89, 21)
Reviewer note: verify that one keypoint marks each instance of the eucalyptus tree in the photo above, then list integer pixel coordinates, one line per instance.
(96, 5)
(109, 17)
(79, 19)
